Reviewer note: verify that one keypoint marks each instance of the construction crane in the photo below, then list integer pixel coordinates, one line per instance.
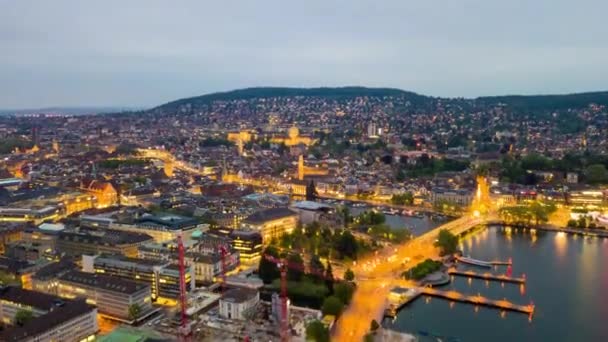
(284, 265)
(224, 252)
(184, 330)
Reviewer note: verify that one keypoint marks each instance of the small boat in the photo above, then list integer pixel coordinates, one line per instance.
(471, 261)
(603, 219)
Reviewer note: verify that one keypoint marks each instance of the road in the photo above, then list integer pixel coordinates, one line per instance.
(377, 274)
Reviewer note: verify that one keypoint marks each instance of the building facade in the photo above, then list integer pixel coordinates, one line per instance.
(113, 296)
(271, 223)
(238, 303)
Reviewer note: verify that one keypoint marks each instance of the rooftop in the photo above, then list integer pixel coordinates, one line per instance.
(269, 215)
(61, 312)
(103, 282)
(239, 295)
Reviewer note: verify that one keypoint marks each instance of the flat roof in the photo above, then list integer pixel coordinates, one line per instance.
(103, 282)
(310, 205)
(269, 215)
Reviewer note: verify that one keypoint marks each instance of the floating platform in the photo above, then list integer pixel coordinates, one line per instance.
(394, 306)
(488, 276)
(478, 300)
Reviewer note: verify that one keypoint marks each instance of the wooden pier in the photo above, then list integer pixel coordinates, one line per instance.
(500, 263)
(488, 276)
(478, 300)
(393, 308)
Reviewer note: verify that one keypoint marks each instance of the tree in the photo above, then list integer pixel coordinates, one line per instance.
(571, 223)
(295, 273)
(349, 275)
(329, 278)
(406, 198)
(267, 270)
(374, 325)
(22, 316)
(347, 245)
(332, 305)
(447, 242)
(316, 266)
(596, 174)
(134, 311)
(344, 291)
(317, 331)
(311, 191)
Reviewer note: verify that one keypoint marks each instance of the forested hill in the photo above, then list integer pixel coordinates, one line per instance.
(547, 102)
(272, 92)
(515, 102)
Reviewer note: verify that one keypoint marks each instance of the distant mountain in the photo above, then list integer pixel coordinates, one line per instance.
(515, 102)
(65, 110)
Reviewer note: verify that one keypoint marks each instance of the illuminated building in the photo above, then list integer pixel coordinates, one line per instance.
(54, 318)
(168, 167)
(105, 241)
(113, 296)
(208, 266)
(271, 223)
(162, 276)
(312, 211)
(9, 233)
(462, 198)
(104, 192)
(248, 244)
(243, 136)
(34, 215)
(293, 138)
(45, 279)
(586, 197)
(162, 227)
(236, 303)
(77, 202)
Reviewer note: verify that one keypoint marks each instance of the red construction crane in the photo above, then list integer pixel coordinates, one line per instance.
(184, 328)
(283, 265)
(224, 252)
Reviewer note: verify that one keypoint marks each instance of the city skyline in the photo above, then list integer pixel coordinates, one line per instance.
(135, 56)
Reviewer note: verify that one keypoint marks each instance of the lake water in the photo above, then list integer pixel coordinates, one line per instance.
(416, 225)
(567, 280)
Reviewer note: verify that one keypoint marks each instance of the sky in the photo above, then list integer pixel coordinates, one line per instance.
(146, 52)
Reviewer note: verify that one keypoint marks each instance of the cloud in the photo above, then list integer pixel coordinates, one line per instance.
(145, 52)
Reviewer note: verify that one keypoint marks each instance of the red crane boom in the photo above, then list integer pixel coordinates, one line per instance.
(185, 331)
(283, 265)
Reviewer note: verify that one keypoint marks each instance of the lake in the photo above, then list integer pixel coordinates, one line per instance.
(567, 277)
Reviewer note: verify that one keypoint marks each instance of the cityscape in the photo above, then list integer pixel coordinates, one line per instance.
(304, 212)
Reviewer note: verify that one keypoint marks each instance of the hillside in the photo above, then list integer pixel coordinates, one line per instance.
(515, 102)
(270, 92)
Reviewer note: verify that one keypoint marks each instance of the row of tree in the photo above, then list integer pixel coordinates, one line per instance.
(533, 213)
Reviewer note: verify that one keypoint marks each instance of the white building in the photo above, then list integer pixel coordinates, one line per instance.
(236, 303)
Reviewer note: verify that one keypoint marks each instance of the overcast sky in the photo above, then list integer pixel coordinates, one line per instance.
(147, 52)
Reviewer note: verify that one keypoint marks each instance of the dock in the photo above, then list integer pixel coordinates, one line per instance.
(396, 304)
(478, 300)
(501, 263)
(398, 298)
(488, 276)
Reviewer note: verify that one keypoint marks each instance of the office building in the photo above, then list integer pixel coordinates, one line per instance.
(100, 241)
(271, 223)
(54, 318)
(113, 296)
(162, 276)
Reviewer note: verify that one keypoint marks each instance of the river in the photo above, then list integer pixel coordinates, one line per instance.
(567, 277)
(416, 225)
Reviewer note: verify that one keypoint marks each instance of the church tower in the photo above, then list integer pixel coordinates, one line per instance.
(168, 168)
(301, 167)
